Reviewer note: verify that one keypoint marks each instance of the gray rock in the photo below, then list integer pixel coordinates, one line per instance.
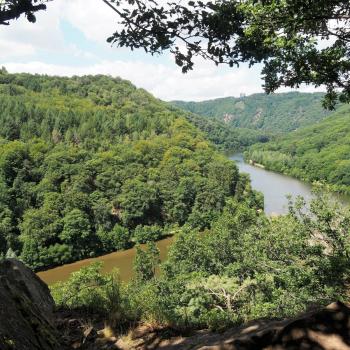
(26, 310)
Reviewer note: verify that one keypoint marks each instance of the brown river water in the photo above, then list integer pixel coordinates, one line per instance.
(122, 260)
(274, 186)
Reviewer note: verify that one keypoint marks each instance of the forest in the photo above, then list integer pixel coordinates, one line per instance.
(275, 113)
(246, 267)
(90, 165)
(316, 153)
(226, 137)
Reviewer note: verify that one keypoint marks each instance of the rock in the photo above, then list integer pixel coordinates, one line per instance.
(26, 310)
(326, 329)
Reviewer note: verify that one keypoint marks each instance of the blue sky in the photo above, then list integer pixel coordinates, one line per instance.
(70, 39)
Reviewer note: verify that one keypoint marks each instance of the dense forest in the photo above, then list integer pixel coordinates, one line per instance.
(274, 113)
(227, 137)
(90, 165)
(246, 267)
(316, 153)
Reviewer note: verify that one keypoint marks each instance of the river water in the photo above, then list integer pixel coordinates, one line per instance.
(122, 260)
(274, 186)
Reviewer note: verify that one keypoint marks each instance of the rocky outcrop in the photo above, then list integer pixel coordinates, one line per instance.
(26, 310)
(27, 322)
(327, 329)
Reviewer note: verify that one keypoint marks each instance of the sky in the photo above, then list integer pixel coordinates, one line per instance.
(69, 38)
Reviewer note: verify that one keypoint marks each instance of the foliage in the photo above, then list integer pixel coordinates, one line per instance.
(10, 10)
(316, 153)
(283, 35)
(248, 266)
(144, 234)
(116, 239)
(89, 165)
(276, 113)
(234, 274)
(146, 262)
(92, 291)
(225, 136)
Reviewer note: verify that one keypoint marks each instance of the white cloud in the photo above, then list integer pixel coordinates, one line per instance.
(22, 43)
(10, 49)
(22, 38)
(92, 17)
(165, 82)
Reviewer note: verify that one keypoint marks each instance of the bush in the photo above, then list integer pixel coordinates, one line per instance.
(144, 234)
(117, 239)
(92, 291)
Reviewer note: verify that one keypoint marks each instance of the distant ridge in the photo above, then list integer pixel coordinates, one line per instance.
(282, 112)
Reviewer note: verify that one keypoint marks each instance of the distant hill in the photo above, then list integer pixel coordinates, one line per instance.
(276, 113)
(226, 137)
(318, 152)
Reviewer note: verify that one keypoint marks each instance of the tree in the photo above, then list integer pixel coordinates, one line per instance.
(116, 239)
(90, 289)
(147, 233)
(137, 201)
(284, 35)
(77, 232)
(13, 9)
(146, 262)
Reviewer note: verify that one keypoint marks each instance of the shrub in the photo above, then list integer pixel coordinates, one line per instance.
(144, 234)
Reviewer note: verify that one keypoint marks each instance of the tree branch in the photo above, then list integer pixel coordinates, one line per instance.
(15, 11)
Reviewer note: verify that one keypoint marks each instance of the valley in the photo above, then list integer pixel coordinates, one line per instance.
(277, 113)
(174, 175)
(274, 186)
(129, 209)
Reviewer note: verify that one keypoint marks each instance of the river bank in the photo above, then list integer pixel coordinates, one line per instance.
(274, 186)
(122, 260)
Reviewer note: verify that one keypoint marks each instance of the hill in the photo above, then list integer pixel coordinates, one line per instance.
(315, 153)
(226, 137)
(92, 164)
(89, 165)
(275, 113)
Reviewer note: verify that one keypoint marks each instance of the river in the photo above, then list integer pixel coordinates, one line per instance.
(274, 186)
(122, 260)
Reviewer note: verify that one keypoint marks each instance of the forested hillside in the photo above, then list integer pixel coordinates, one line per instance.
(275, 113)
(316, 153)
(91, 164)
(227, 137)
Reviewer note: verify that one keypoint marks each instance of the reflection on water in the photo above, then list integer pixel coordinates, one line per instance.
(275, 187)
